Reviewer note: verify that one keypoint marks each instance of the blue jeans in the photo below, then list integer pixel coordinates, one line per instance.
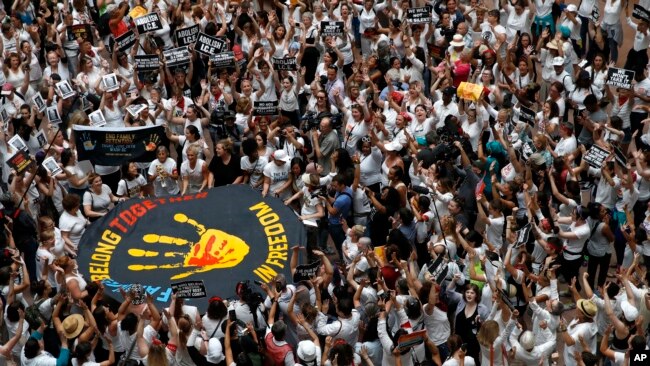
(338, 237)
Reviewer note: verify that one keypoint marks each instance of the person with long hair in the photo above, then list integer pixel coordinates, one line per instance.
(225, 167)
(469, 314)
(98, 198)
(133, 184)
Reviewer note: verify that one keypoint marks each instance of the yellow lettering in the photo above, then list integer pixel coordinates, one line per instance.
(269, 219)
(263, 207)
(278, 248)
(110, 237)
(99, 270)
(265, 272)
(277, 239)
(104, 248)
(274, 262)
(275, 229)
(101, 257)
(99, 278)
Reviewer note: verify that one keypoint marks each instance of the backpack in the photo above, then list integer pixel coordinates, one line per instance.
(33, 315)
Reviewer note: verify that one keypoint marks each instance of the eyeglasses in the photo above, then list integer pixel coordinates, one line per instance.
(365, 139)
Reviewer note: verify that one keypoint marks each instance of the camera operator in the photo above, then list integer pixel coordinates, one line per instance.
(287, 138)
(325, 144)
(338, 209)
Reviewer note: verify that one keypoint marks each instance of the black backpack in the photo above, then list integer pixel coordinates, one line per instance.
(102, 25)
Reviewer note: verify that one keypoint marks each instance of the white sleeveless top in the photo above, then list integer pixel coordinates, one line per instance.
(195, 175)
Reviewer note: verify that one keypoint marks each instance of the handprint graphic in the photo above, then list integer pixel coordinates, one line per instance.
(152, 142)
(215, 249)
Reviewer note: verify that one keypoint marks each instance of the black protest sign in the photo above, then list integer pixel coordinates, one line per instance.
(304, 272)
(209, 45)
(620, 78)
(419, 15)
(125, 41)
(20, 161)
(147, 62)
(288, 63)
(619, 156)
(116, 146)
(641, 13)
(527, 115)
(265, 108)
(523, 235)
(157, 242)
(332, 29)
(82, 31)
(223, 60)
(187, 36)
(438, 268)
(189, 289)
(148, 23)
(177, 56)
(596, 156)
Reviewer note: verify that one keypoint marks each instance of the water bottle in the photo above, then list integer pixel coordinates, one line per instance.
(585, 261)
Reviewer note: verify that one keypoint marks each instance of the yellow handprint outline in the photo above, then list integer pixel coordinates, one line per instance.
(215, 249)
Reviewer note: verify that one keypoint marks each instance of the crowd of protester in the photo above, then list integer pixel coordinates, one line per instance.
(477, 226)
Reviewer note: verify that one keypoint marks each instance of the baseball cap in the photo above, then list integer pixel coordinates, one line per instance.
(558, 61)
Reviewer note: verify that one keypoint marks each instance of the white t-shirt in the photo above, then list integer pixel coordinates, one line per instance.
(279, 175)
(164, 186)
(98, 202)
(75, 225)
(576, 245)
(131, 188)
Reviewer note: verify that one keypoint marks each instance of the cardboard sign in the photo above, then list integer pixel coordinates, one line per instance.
(17, 143)
(6, 118)
(335, 29)
(20, 161)
(148, 23)
(419, 15)
(39, 102)
(51, 166)
(53, 115)
(209, 45)
(620, 78)
(41, 139)
(110, 82)
(189, 289)
(97, 118)
(289, 63)
(304, 272)
(64, 89)
(82, 31)
(177, 56)
(596, 156)
(435, 265)
(125, 41)
(412, 339)
(523, 235)
(640, 12)
(187, 36)
(527, 115)
(223, 60)
(147, 62)
(265, 108)
(85, 104)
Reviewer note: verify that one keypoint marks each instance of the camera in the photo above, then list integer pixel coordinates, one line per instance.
(309, 121)
(320, 191)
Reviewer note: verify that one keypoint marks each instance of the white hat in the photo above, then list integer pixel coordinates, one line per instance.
(393, 146)
(306, 351)
(281, 155)
(629, 312)
(457, 41)
(215, 352)
(572, 8)
(558, 61)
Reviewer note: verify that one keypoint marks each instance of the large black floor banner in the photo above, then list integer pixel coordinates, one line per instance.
(221, 236)
(116, 146)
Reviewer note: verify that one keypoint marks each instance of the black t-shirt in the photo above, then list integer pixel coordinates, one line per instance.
(225, 174)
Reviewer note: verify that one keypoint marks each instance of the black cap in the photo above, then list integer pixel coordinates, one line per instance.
(450, 90)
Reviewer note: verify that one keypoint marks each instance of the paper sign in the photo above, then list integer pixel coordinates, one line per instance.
(97, 118)
(64, 89)
(17, 143)
(147, 62)
(412, 339)
(331, 29)
(288, 63)
(125, 41)
(209, 45)
(177, 56)
(189, 289)
(51, 166)
(110, 82)
(135, 109)
(39, 102)
(620, 78)
(148, 23)
(640, 12)
(20, 161)
(469, 91)
(419, 15)
(41, 139)
(523, 235)
(53, 115)
(304, 272)
(187, 36)
(82, 31)
(265, 108)
(596, 156)
(223, 60)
